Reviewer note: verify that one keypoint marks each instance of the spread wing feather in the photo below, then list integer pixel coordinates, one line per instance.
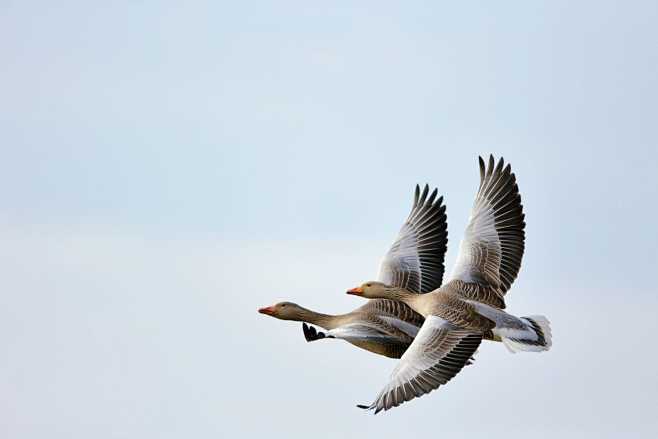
(415, 260)
(492, 248)
(437, 354)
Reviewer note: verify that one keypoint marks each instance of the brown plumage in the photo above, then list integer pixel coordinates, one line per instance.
(384, 327)
(470, 306)
(414, 262)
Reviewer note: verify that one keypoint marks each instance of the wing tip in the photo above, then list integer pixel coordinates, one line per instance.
(433, 195)
(423, 196)
(370, 407)
(312, 334)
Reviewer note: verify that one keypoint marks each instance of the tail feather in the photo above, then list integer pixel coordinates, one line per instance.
(537, 338)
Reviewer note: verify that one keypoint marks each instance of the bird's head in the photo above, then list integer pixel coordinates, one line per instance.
(371, 290)
(282, 311)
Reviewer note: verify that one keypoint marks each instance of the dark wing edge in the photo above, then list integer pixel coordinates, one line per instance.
(493, 246)
(447, 350)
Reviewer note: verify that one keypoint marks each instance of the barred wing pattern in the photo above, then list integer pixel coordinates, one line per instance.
(415, 261)
(437, 354)
(393, 308)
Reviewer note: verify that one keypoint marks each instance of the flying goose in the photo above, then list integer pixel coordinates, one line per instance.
(459, 314)
(414, 262)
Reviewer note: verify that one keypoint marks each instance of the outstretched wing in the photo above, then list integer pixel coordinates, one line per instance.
(415, 261)
(437, 354)
(492, 248)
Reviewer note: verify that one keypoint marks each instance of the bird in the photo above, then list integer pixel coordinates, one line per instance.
(470, 306)
(414, 262)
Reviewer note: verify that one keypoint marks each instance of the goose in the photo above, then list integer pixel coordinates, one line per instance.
(414, 262)
(471, 304)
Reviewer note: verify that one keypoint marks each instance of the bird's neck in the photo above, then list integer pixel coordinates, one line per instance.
(324, 321)
(405, 296)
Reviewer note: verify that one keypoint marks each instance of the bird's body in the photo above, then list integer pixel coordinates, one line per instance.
(470, 306)
(447, 303)
(384, 327)
(388, 327)
(435, 328)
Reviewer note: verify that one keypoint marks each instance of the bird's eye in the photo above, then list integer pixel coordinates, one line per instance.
(368, 285)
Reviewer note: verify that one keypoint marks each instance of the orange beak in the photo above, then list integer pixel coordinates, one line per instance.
(269, 310)
(355, 291)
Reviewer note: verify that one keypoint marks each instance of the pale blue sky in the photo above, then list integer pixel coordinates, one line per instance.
(167, 168)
